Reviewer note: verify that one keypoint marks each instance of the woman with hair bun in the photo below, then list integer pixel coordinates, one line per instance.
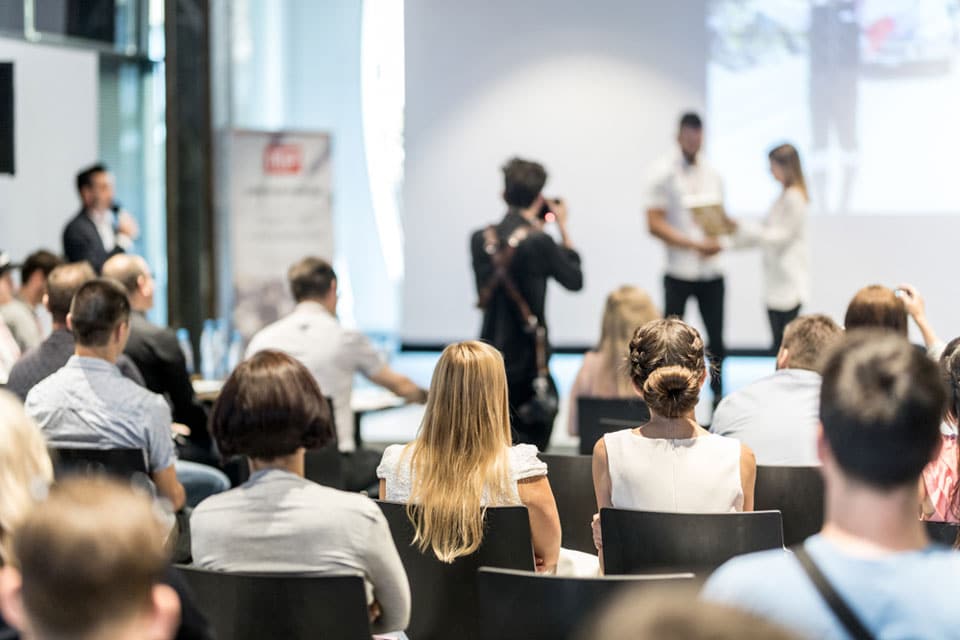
(671, 463)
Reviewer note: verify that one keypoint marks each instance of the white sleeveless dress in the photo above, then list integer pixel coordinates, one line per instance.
(690, 475)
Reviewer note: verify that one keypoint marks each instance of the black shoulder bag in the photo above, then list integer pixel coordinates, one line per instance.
(542, 407)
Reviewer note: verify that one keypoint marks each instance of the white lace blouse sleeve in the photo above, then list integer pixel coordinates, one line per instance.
(524, 462)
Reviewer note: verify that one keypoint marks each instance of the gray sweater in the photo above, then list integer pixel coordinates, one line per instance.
(279, 522)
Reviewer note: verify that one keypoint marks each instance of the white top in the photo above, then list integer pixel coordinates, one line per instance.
(312, 335)
(786, 261)
(776, 417)
(9, 351)
(675, 187)
(395, 469)
(103, 221)
(689, 475)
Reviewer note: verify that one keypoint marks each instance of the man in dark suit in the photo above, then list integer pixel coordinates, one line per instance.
(537, 258)
(157, 354)
(99, 230)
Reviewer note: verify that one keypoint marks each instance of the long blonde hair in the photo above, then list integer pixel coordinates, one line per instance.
(25, 467)
(459, 461)
(626, 309)
(788, 158)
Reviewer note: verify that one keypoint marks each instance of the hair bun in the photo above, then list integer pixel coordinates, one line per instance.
(672, 391)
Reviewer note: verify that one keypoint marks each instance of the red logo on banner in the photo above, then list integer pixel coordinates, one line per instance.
(282, 159)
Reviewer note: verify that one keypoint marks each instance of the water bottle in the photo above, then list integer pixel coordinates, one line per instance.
(183, 339)
(221, 344)
(235, 352)
(208, 355)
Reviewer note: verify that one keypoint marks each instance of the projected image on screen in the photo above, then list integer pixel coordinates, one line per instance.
(868, 90)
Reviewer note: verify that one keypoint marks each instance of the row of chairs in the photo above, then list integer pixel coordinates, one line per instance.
(797, 492)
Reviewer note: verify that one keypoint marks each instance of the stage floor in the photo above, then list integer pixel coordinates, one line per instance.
(400, 425)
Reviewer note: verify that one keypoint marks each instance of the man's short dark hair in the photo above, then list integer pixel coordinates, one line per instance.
(270, 406)
(881, 404)
(43, 261)
(85, 177)
(691, 120)
(62, 284)
(808, 339)
(522, 182)
(98, 307)
(310, 278)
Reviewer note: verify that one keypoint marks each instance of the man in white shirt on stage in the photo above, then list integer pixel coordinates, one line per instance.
(684, 181)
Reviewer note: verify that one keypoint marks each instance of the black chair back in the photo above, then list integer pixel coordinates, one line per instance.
(644, 541)
(943, 532)
(325, 466)
(571, 478)
(128, 464)
(444, 596)
(797, 493)
(244, 606)
(521, 605)
(597, 416)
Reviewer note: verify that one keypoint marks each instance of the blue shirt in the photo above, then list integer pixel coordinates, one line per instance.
(911, 594)
(89, 404)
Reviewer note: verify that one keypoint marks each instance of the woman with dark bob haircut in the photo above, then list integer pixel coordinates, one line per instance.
(271, 410)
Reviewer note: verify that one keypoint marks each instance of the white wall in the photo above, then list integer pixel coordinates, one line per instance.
(55, 113)
(593, 90)
(589, 89)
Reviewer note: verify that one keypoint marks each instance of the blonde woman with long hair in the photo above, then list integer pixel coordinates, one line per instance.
(25, 467)
(462, 461)
(782, 235)
(604, 373)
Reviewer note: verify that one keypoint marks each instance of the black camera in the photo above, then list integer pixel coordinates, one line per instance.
(546, 210)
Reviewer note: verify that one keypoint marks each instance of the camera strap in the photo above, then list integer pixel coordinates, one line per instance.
(501, 256)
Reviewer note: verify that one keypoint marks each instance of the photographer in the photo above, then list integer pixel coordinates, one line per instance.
(512, 262)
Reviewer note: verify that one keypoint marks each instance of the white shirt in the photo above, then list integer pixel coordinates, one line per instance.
(675, 187)
(103, 221)
(9, 352)
(786, 260)
(776, 416)
(312, 335)
(688, 475)
(395, 469)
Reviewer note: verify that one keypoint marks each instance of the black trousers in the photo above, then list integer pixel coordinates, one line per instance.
(528, 432)
(778, 322)
(710, 296)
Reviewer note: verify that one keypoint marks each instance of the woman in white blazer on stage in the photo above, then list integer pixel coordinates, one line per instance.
(782, 236)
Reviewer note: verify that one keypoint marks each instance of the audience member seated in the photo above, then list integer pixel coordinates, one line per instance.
(334, 355)
(603, 373)
(881, 406)
(272, 410)
(25, 468)
(87, 563)
(33, 285)
(98, 231)
(640, 613)
(777, 416)
(88, 403)
(9, 352)
(671, 463)
(16, 314)
(157, 354)
(462, 459)
(939, 490)
(877, 306)
(53, 353)
(26, 472)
